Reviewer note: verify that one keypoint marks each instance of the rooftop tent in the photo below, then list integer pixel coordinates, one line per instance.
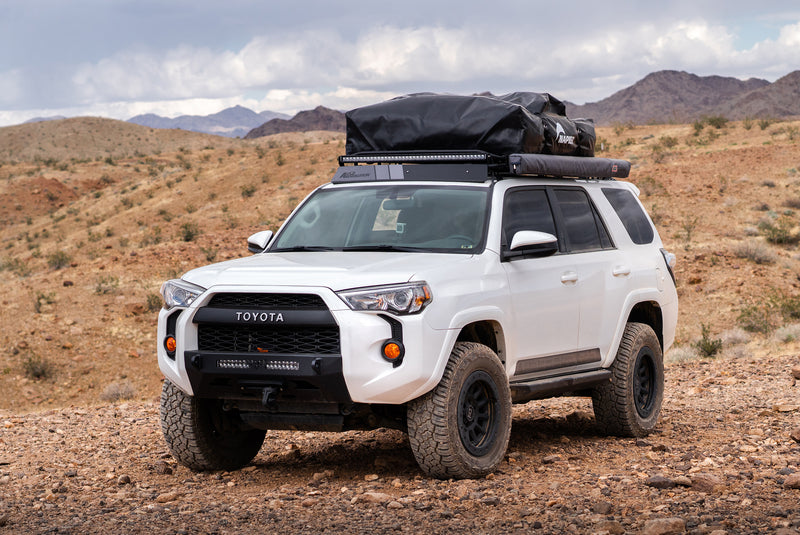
(519, 122)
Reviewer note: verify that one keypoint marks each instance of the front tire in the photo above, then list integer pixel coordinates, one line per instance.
(461, 428)
(202, 436)
(629, 405)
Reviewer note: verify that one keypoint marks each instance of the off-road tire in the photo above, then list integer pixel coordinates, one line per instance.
(630, 403)
(201, 436)
(460, 429)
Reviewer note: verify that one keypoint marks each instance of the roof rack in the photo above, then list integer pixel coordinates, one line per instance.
(472, 166)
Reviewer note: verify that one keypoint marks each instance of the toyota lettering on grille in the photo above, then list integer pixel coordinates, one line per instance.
(259, 317)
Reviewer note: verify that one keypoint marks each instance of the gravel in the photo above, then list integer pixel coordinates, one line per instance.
(723, 460)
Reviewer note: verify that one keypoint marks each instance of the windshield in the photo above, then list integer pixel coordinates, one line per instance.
(389, 218)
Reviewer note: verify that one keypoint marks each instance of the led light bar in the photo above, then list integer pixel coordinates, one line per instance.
(413, 157)
(254, 364)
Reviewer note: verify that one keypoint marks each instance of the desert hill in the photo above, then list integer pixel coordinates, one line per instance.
(672, 96)
(779, 99)
(85, 242)
(82, 138)
(320, 118)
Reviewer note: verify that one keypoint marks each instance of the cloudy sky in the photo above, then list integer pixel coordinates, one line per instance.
(120, 58)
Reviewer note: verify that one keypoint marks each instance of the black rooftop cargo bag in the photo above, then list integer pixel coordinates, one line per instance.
(513, 123)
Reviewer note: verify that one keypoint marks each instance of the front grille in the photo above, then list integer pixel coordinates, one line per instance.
(268, 301)
(268, 339)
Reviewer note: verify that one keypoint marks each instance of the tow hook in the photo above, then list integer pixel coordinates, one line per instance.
(269, 396)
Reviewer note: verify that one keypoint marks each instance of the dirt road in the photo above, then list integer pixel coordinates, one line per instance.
(726, 458)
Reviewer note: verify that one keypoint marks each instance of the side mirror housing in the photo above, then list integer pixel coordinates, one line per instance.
(528, 243)
(257, 243)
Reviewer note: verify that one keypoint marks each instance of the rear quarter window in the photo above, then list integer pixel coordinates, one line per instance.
(631, 214)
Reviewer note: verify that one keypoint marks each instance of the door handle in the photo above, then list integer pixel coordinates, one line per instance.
(621, 271)
(569, 277)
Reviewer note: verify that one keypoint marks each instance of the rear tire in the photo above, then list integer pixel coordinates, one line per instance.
(630, 404)
(202, 436)
(461, 428)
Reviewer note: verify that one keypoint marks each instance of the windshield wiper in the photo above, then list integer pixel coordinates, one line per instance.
(296, 248)
(384, 247)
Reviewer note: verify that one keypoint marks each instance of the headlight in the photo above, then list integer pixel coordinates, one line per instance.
(179, 293)
(398, 298)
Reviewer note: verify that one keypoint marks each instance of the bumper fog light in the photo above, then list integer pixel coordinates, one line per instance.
(170, 344)
(393, 350)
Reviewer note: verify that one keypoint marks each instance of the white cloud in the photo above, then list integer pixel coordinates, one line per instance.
(295, 70)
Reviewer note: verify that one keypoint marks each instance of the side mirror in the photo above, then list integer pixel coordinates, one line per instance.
(258, 242)
(531, 243)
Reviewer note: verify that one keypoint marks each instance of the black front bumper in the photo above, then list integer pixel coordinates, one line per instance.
(245, 376)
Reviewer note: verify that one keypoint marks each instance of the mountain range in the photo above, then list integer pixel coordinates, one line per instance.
(680, 97)
(660, 97)
(231, 122)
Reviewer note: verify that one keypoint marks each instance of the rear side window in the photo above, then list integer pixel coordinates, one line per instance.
(631, 214)
(582, 226)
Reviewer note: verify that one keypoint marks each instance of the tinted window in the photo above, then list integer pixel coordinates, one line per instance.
(631, 214)
(582, 227)
(527, 209)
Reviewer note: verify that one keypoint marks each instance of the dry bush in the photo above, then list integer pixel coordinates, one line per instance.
(680, 354)
(734, 337)
(787, 333)
(118, 392)
(755, 250)
(736, 352)
(36, 367)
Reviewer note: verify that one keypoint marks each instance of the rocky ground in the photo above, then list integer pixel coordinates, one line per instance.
(725, 459)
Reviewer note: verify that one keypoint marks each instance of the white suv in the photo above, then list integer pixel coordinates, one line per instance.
(425, 292)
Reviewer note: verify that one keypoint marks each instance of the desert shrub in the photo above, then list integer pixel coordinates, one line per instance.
(106, 284)
(668, 142)
(707, 347)
(189, 231)
(747, 123)
(41, 299)
(756, 319)
(717, 121)
(736, 352)
(794, 202)
(210, 253)
(680, 354)
(788, 306)
(118, 392)
(58, 260)
(763, 124)
(35, 367)
(779, 231)
(248, 190)
(735, 336)
(698, 127)
(650, 186)
(261, 152)
(788, 333)
(756, 251)
(153, 302)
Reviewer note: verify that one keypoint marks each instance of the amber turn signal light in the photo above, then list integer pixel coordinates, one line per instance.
(393, 350)
(170, 344)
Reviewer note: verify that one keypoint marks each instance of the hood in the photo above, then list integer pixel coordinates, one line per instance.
(330, 269)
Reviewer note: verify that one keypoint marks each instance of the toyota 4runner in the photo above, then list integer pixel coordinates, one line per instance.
(425, 292)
